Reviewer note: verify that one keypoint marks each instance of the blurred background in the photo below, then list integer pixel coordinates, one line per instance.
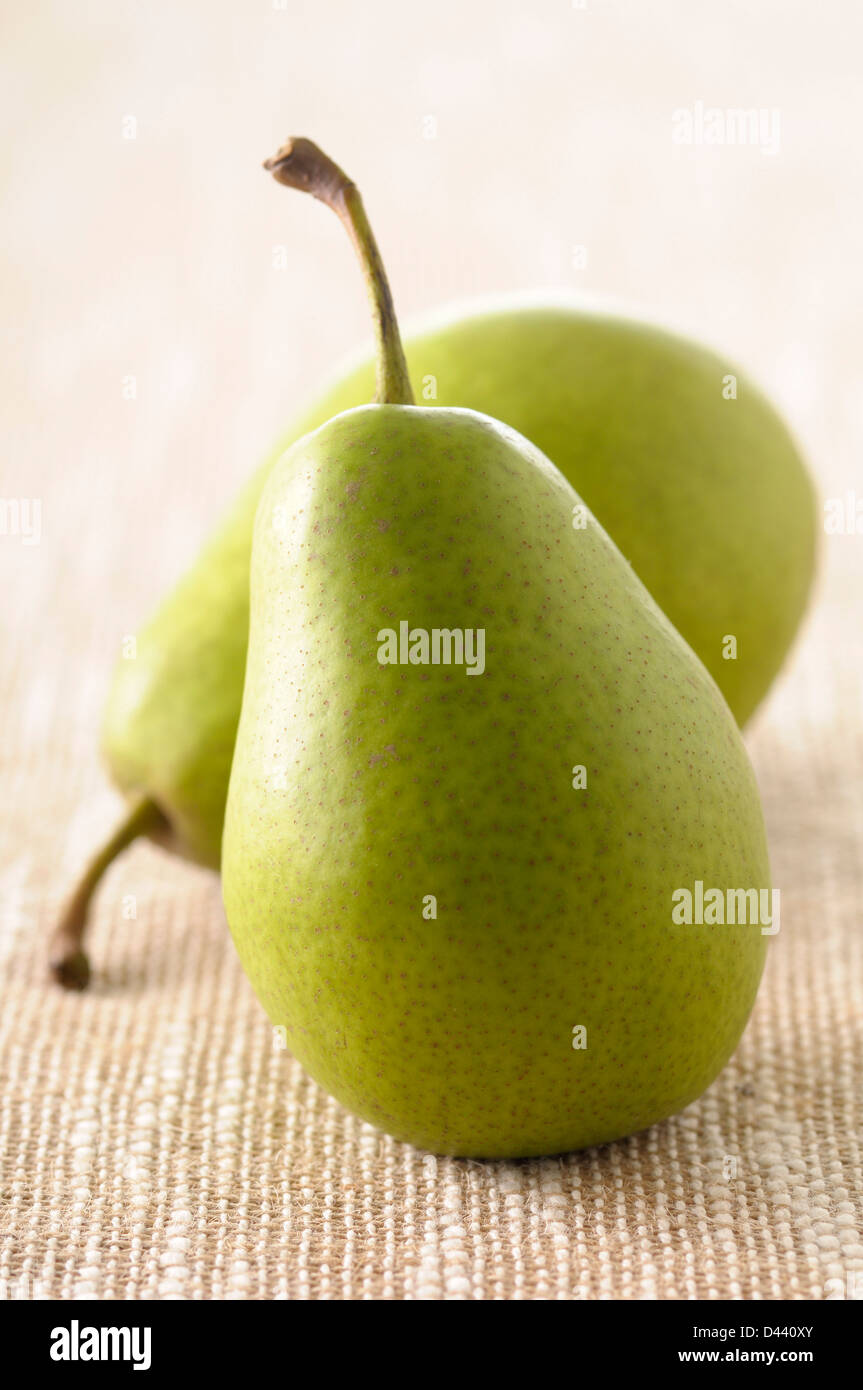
(167, 309)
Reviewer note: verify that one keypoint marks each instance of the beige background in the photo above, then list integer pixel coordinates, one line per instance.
(151, 1143)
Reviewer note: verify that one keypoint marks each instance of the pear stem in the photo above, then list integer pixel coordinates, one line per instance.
(68, 959)
(300, 164)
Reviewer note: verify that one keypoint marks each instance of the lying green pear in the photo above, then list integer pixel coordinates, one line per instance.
(476, 769)
(703, 490)
(705, 493)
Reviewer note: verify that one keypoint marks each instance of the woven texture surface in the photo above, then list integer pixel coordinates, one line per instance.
(152, 1141)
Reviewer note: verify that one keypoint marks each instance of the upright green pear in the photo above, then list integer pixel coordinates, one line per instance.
(478, 778)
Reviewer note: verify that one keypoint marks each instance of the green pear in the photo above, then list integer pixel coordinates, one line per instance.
(478, 775)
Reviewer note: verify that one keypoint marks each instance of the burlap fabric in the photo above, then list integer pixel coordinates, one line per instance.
(152, 1141)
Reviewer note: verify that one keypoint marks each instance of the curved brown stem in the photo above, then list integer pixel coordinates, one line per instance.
(68, 959)
(300, 164)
